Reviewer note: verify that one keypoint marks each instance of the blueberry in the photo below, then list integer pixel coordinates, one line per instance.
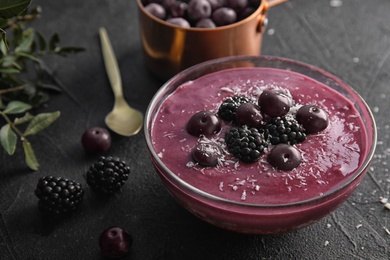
(156, 10)
(179, 22)
(246, 12)
(199, 9)
(312, 118)
(254, 3)
(249, 114)
(224, 16)
(96, 140)
(115, 242)
(207, 154)
(204, 123)
(221, 12)
(284, 157)
(205, 23)
(237, 5)
(167, 3)
(176, 8)
(215, 4)
(275, 102)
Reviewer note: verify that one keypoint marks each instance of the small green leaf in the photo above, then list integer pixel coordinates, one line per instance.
(17, 35)
(11, 8)
(9, 60)
(30, 158)
(24, 119)
(68, 50)
(27, 41)
(49, 87)
(40, 122)
(3, 22)
(16, 107)
(53, 41)
(9, 70)
(39, 99)
(3, 42)
(10, 63)
(29, 56)
(41, 41)
(8, 139)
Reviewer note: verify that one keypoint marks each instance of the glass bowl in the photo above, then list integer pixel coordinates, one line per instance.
(254, 218)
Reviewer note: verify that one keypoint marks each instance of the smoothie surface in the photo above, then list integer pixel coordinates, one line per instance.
(329, 158)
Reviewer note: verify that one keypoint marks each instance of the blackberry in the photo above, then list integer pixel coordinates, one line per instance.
(107, 175)
(246, 144)
(283, 130)
(58, 196)
(227, 110)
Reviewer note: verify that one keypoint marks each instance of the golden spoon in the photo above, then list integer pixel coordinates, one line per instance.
(123, 119)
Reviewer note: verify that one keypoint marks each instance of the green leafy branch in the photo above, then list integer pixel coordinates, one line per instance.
(9, 132)
(25, 80)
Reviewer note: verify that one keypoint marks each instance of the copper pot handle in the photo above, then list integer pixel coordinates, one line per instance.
(262, 18)
(272, 3)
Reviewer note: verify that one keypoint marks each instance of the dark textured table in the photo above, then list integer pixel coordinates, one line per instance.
(351, 41)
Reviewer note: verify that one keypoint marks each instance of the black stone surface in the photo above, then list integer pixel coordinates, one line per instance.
(351, 41)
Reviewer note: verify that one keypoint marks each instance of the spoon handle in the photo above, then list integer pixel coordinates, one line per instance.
(111, 64)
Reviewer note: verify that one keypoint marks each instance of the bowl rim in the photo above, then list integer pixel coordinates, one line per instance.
(261, 11)
(149, 118)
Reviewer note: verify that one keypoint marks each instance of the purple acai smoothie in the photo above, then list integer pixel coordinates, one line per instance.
(328, 158)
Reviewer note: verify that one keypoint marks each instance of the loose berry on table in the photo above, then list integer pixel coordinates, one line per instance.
(115, 242)
(107, 175)
(96, 140)
(58, 196)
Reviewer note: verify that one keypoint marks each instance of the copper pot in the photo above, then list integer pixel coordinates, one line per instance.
(169, 49)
